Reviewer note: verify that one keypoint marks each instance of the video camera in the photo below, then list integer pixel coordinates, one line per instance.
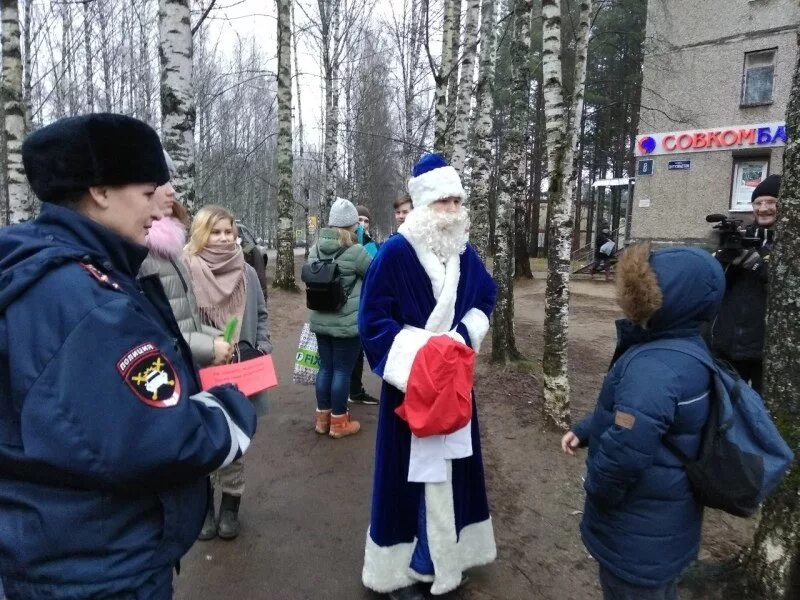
(732, 238)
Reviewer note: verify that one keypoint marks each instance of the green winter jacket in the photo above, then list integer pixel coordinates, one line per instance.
(353, 264)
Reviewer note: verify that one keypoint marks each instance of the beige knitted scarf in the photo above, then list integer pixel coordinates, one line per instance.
(218, 279)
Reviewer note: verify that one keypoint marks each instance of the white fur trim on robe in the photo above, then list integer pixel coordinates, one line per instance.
(387, 568)
(401, 355)
(452, 553)
(427, 460)
(477, 324)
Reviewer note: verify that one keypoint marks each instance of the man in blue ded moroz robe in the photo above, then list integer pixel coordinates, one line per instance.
(430, 516)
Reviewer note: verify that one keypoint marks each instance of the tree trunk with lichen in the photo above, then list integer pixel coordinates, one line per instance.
(773, 562)
(513, 182)
(177, 98)
(284, 267)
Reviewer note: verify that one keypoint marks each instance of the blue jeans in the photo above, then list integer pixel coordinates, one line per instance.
(615, 588)
(337, 357)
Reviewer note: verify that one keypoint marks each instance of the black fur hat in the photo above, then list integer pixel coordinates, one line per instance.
(74, 153)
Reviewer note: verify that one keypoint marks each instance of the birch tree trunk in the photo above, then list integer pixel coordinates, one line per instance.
(483, 139)
(773, 564)
(331, 66)
(442, 78)
(177, 99)
(461, 127)
(20, 202)
(512, 182)
(284, 267)
(453, 78)
(87, 44)
(554, 358)
(301, 138)
(27, 70)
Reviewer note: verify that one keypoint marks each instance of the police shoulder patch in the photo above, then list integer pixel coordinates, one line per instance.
(151, 376)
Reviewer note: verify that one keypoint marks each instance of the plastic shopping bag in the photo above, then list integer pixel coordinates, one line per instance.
(306, 364)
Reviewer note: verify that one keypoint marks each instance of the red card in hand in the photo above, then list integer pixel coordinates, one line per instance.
(251, 376)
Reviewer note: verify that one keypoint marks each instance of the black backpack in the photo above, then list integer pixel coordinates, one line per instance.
(324, 289)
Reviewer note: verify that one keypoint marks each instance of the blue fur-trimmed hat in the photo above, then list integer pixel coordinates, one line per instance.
(433, 179)
(75, 153)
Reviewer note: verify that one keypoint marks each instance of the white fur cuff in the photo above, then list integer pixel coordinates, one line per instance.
(477, 324)
(402, 354)
(435, 185)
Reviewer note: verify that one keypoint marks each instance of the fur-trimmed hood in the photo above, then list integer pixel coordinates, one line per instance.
(669, 289)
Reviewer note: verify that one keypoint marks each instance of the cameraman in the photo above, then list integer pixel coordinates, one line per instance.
(737, 334)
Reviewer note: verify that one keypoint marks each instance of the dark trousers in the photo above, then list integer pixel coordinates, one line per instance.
(356, 387)
(751, 371)
(615, 588)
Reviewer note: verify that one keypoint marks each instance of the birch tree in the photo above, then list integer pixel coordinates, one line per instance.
(452, 78)
(482, 149)
(461, 127)
(20, 201)
(773, 564)
(284, 269)
(512, 182)
(336, 26)
(407, 35)
(442, 75)
(329, 31)
(559, 142)
(177, 99)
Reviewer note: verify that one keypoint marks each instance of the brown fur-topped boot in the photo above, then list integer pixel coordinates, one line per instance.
(342, 426)
(323, 424)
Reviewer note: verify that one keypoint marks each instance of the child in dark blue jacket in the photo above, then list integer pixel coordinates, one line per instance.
(641, 522)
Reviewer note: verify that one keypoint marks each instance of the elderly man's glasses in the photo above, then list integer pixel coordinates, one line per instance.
(770, 203)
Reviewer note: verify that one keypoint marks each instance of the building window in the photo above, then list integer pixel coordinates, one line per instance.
(758, 78)
(747, 174)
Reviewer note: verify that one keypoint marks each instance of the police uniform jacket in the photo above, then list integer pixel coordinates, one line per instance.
(105, 439)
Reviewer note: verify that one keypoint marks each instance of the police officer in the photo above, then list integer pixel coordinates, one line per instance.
(737, 334)
(105, 437)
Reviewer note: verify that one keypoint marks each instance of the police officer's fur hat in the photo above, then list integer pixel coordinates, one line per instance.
(75, 153)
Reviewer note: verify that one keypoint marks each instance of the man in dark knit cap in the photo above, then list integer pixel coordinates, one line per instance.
(105, 437)
(737, 334)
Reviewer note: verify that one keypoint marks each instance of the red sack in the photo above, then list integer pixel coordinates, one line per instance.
(438, 397)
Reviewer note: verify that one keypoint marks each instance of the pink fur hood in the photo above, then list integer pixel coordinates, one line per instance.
(167, 237)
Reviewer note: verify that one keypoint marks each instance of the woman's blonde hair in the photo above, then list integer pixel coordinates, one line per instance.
(346, 237)
(203, 223)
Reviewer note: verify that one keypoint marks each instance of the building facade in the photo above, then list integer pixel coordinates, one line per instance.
(717, 78)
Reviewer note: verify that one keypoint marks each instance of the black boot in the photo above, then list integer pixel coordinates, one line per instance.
(228, 527)
(412, 592)
(209, 530)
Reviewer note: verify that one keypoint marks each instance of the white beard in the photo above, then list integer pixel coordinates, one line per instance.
(445, 234)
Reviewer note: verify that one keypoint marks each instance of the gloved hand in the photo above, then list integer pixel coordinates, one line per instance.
(748, 259)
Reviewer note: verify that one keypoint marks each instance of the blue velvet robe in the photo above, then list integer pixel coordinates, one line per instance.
(398, 292)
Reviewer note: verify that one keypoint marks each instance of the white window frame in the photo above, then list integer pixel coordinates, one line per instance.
(754, 56)
(741, 192)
